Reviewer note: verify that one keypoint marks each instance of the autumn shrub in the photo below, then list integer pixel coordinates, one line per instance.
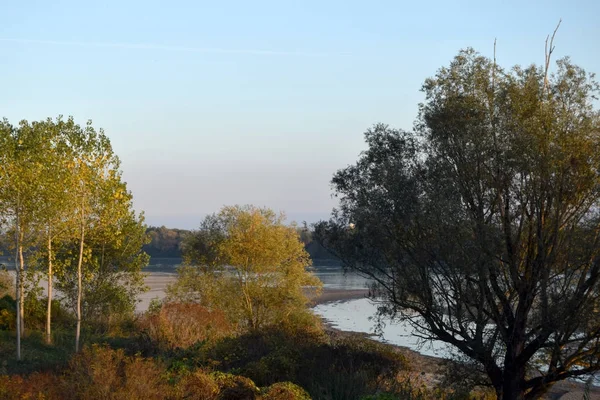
(198, 385)
(327, 366)
(285, 391)
(35, 386)
(235, 387)
(204, 385)
(181, 325)
(409, 388)
(99, 372)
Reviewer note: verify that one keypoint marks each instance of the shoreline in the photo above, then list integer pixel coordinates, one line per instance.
(157, 283)
(330, 295)
(430, 369)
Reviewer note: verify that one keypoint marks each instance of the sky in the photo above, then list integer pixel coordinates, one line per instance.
(254, 102)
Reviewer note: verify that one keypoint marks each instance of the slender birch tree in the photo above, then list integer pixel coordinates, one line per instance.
(55, 180)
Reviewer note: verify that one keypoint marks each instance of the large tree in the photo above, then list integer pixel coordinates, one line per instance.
(248, 263)
(481, 227)
(102, 210)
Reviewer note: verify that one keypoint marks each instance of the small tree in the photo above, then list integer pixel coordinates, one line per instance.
(482, 227)
(246, 262)
(112, 277)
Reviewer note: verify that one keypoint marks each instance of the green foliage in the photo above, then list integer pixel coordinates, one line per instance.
(164, 242)
(36, 308)
(8, 307)
(327, 367)
(112, 278)
(7, 286)
(249, 254)
(63, 199)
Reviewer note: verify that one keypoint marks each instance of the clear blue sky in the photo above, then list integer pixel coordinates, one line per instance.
(235, 102)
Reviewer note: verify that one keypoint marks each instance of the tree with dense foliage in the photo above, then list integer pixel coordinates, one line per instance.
(246, 262)
(481, 228)
(53, 182)
(108, 233)
(60, 185)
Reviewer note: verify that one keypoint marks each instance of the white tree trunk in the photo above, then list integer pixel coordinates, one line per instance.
(18, 286)
(21, 284)
(49, 311)
(79, 289)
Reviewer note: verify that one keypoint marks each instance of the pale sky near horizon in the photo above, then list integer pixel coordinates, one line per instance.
(235, 102)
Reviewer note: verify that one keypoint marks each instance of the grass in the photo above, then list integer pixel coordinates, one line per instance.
(36, 355)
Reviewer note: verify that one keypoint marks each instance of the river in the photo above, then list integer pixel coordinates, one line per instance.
(355, 315)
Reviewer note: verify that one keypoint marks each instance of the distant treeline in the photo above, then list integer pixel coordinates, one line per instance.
(166, 243)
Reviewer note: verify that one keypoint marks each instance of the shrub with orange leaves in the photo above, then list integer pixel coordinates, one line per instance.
(99, 372)
(181, 325)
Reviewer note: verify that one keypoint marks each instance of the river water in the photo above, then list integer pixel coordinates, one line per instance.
(350, 315)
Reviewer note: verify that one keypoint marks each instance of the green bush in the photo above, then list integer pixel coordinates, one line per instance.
(235, 387)
(285, 391)
(7, 285)
(36, 308)
(8, 307)
(328, 367)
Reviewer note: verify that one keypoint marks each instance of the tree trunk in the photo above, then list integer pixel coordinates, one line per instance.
(17, 286)
(513, 378)
(21, 284)
(511, 389)
(78, 330)
(49, 310)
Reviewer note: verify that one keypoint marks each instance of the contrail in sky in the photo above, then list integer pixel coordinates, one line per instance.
(145, 46)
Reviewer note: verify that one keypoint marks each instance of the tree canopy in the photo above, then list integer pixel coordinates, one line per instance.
(248, 263)
(70, 216)
(481, 227)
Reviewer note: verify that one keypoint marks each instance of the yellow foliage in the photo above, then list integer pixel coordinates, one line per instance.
(248, 263)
